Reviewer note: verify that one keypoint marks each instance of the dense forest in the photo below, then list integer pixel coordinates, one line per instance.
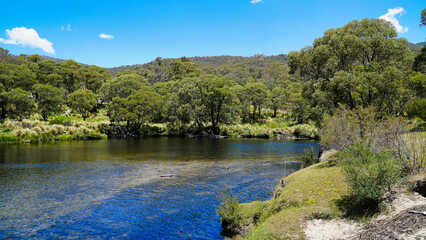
(360, 65)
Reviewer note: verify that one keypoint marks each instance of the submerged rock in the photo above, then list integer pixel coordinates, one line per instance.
(167, 175)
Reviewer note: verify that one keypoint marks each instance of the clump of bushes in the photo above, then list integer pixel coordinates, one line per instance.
(270, 129)
(37, 131)
(378, 152)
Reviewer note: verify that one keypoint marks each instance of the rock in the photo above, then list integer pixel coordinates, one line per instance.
(326, 154)
(420, 187)
(167, 176)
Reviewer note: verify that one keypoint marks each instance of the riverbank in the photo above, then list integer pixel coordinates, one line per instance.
(34, 131)
(68, 129)
(304, 207)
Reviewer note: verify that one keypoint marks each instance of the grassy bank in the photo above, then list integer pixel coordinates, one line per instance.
(64, 128)
(308, 193)
(33, 131)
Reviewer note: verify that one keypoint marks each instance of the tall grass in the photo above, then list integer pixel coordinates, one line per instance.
(38, 131)
(229, 211)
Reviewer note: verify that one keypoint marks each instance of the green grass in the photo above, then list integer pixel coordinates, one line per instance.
(310, 193)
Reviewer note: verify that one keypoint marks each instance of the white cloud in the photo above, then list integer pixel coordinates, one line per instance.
(256, 1)
(106, 36)
(66, 28)
(28, 37)
(390, 17)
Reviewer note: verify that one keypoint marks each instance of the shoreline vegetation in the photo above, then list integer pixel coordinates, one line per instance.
(380, 146)
(62, 128)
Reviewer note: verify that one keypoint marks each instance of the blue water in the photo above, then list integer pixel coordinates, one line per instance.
(113, 189)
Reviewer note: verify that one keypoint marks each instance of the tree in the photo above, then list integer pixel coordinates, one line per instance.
(423, 18)
(360, 64)
(48, 99)
(137, 109)
(19, 103)
(35, 58)
(419, 64)
(3, 102)
(93, 77)
(276, 74)
(278, 99)
(257, 94)
(68, 71)
(82, 101)
(122, 86)
(181, 68)
(158, 68)
(216, 97)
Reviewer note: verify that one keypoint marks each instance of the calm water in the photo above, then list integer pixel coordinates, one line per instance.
(113, 189)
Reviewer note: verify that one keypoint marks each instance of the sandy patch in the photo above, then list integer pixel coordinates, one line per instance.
(397, 224)
(331, 229)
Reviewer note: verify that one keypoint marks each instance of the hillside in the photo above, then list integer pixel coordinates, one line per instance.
(417, 47)
(208, 61)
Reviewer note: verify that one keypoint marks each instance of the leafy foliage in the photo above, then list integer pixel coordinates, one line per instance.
(82, 101)
(229, 210)
(370, 175)
(48, 99)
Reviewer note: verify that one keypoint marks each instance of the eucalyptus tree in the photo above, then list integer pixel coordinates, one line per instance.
(48, 99)
(202, 100)
(19, 103)
(360, 64)
(137, 109)
(257, 94)
(83, 102)
(122, 86)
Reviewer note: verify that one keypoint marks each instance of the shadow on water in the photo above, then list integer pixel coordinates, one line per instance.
(113, 189)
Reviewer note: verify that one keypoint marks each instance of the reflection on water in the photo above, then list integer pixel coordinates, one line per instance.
(113, 189)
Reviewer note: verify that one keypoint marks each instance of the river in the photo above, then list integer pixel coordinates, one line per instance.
(113, 189)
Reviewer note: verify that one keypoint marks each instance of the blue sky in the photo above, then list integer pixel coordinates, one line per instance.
(143, 30)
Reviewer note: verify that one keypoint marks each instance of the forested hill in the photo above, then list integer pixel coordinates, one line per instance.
(416, 47)
(207, 61)
(215, 61)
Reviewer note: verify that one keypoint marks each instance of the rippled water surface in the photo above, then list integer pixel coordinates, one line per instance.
(113, 189)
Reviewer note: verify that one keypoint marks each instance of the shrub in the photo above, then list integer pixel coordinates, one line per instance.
(229, 211)
(6, 138)
(308, 157)
(346, 127)
(65, 137)
(370, 175)
(409, 148)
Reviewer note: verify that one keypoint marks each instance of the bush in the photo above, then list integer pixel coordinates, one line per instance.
(9, 139)
(417, 108)
(229, 211)
(370, 175)
(346, 127)
(308, 157)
